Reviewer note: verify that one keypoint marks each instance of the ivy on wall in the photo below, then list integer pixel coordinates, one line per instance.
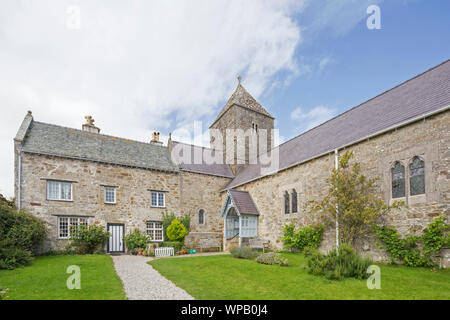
(415, 251)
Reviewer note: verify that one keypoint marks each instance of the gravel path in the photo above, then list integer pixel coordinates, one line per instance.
(142, 282)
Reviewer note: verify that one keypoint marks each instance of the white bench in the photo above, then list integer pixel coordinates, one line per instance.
(164, 252)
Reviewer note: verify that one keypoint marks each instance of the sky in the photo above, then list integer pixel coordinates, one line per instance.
(167, 66)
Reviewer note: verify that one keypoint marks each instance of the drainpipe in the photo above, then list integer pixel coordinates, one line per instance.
(19, 179)
(336, 166)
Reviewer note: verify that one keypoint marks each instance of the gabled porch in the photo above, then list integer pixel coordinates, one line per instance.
(240, 216)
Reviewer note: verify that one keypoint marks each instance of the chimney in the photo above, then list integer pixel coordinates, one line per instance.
(155, 138)
(89, 125)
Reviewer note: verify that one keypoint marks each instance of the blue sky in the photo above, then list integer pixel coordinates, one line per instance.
(139, 66)
(363, 63)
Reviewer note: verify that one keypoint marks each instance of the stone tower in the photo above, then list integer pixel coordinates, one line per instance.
(246, 129)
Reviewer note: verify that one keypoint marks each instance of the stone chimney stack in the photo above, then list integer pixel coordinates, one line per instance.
(155, 138)
(89, 125)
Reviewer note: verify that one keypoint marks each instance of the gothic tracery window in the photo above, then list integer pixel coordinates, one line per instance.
(417, 177)
(398, 180)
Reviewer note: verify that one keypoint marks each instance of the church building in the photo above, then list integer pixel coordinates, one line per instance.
(252, 188)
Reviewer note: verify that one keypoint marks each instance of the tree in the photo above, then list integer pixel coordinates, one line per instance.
(352, 200)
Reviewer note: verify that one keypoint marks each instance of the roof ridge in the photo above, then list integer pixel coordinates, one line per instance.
(99, 134)
(359, 105)
(194, 145)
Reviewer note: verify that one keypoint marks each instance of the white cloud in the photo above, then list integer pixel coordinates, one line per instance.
(136, 66)
(306, 120)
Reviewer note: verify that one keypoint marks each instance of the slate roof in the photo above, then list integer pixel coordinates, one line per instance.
(48, 139)
(244, 202)
(222, 170)
(242, 98)
(424, 94)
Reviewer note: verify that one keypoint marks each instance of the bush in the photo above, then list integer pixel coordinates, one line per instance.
(309, 236)
(87, 240)
(176, 245)
(3, 293)
(176, 231)
(167, 221)
(11, 258)
(244, 253)
(20, 235)
(347, 264)
(272, 258)
(136, 240)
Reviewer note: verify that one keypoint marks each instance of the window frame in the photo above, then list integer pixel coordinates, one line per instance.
(201, 213)
(158, 204)
(287, 201)
(104, 194)
(154, 229)
(294, 195)
(404, 180)
(59, 237)
(60, 183)
(410, 176)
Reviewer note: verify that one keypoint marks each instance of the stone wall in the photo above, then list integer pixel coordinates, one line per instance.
(200, 191)
(186, 193)
(429, 139)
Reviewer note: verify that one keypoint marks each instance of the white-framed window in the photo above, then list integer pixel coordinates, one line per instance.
(110, 195)
(59, 190)
(155, 230)
(158, 199)
(67, 224)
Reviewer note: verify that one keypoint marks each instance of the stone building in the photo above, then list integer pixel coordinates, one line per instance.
(68, 176)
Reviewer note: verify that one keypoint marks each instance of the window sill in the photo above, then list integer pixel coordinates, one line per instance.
(57, 200)
(157, 207)
(110, 203)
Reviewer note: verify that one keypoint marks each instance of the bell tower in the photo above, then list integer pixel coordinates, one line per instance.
(245, 127)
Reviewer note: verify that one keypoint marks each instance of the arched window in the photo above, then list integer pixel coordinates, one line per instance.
(398, 180)
(286, 202)
(201, 216)
(294, 201)
(417, 176)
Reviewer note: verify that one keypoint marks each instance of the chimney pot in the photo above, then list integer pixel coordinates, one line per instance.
(155, 138)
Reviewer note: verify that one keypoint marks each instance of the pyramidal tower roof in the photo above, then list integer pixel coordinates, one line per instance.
(242, 98)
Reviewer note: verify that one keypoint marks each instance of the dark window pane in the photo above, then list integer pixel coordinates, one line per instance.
(398, 181)
(294, 201)
(286, 202)
(417, 176)
(201, 216)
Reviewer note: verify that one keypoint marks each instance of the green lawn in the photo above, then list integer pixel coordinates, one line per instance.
(227, 278)
(46, 279)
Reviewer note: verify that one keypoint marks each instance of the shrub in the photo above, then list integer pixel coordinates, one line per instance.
(11, 258)
(176, 245)
(167, 221)
(334, 266)
(309, 236)
(244, 253)
(3, 293)
(272, 258)
(20, 235)
(406, 249)
(87, 240)
(176, 231)
(136, 240)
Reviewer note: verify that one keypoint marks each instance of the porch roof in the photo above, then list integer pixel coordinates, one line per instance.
(244, 202)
